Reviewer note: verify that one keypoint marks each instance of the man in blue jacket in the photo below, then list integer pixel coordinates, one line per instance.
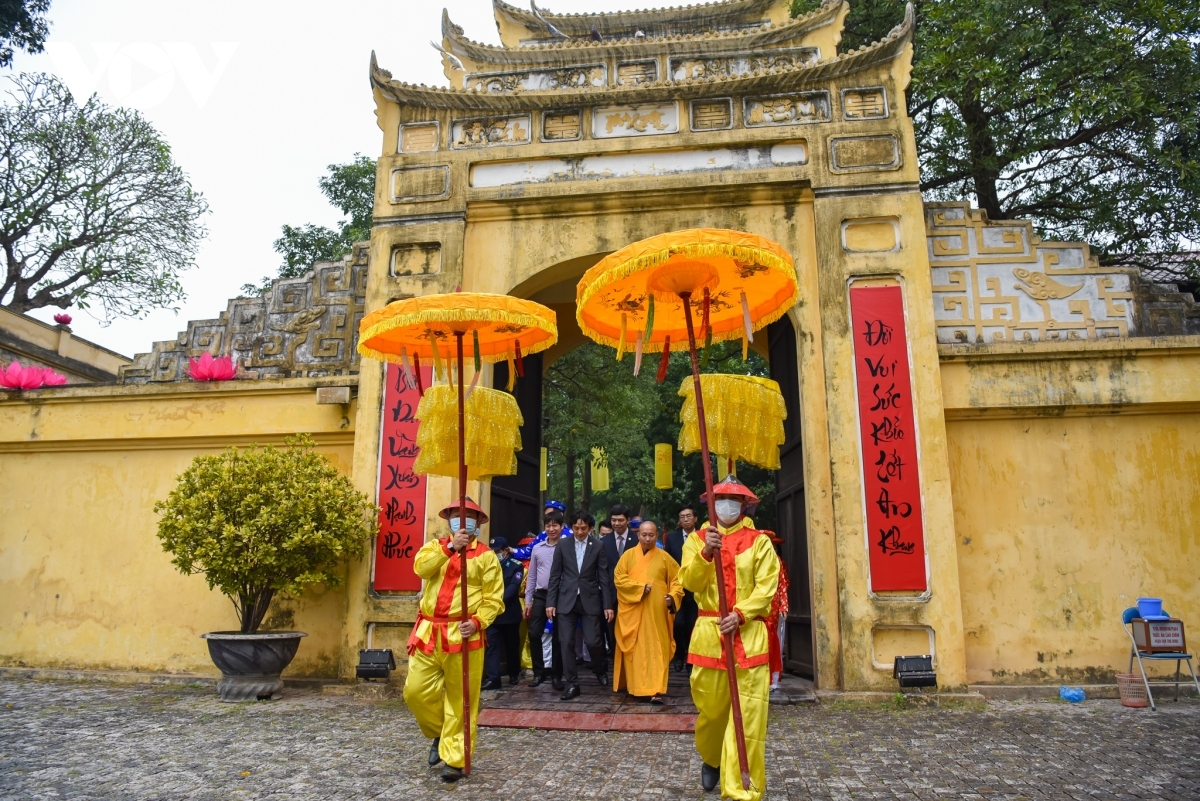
(505, 631)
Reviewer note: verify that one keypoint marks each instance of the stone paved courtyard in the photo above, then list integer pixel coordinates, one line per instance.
(80, 740)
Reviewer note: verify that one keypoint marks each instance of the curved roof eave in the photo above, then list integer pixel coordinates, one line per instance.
(776, 80)
(731, 10)
(563, 53)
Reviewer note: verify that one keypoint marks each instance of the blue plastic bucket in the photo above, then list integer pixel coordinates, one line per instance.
(1150, 608)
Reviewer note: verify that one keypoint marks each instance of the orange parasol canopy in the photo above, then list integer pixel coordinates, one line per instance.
(613, 297)
(500, 322)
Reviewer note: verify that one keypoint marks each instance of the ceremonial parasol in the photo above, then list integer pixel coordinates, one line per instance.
(644, 296)
(500, 327)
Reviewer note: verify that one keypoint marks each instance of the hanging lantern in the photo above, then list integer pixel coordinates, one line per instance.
(599, 470)
(662, 466)
(493, 424)
(744, 415)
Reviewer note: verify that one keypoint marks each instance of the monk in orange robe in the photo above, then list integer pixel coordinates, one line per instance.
(648, 593)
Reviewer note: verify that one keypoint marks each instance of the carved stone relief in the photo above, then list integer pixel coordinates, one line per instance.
(864, 104)
(419, 137)
(538, 80)
(998, 282)
(633, 73)
(794, 109)
(712, 115)
(687, 67)
(301, 327)
(618, 121)
(852, 154)
(491, 131)
(417, 183)
(562, 126)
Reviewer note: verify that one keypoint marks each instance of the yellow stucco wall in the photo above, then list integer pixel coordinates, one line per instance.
(1076, 484)
(84, 582)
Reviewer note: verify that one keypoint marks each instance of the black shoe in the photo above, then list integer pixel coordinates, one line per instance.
(557, 683)
(538, 678)
(571, 692)
(513, 680)
(451, 773)
(434, 756)
(709, 777)
(492, 684)
(603, 679)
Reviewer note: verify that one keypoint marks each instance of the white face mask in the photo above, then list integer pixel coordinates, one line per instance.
(728, 511)
(472, 524)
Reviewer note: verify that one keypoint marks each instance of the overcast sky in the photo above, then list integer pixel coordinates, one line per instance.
(256, 98)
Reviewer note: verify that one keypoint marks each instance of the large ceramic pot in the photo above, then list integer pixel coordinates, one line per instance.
(251, 663)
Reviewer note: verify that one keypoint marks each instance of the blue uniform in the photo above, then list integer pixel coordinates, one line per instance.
(525, 551)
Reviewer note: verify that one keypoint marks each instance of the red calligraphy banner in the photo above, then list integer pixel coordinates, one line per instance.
(401, 495)
(892, 484)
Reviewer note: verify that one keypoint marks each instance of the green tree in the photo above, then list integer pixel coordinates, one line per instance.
(351, 188)
(592, 400)
(257, 523)
(1080, 115)
(23, 26)
(92, 207)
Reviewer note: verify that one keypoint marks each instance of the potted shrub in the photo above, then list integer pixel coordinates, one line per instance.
(259, 523)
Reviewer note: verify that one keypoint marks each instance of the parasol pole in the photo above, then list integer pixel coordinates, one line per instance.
(462, 526)
(735, 701)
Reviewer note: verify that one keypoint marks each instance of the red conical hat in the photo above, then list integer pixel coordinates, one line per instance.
(452, 509)
(731, 486)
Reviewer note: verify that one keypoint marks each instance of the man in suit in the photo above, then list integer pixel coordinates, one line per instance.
(685, 621)
(580, 591)
(615, 545)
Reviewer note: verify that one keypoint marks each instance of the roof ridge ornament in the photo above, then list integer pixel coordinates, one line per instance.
(555, 32)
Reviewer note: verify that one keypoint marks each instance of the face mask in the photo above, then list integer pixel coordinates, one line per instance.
(472, 524)
(728, 511)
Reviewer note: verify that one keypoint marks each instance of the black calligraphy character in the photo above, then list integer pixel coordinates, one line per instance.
(403, 412)
(887, 430)
(885, 504)
(890, 399)
(403, 448)
(890, 543)
(877, 333)
(889, 468)
(879, 369)
(401, 479)
(396, 546)
(396, 514)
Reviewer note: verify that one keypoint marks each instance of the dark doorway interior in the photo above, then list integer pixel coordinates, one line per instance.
(516, 505)
(789, 503)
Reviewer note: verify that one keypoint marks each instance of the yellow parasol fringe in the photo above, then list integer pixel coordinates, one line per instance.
(744, 415)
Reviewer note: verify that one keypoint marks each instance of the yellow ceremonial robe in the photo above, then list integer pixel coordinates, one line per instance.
(642, 657)
(433, 689)
(751, 572)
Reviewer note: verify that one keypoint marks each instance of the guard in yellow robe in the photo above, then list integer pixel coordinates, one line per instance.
(648, 593)
(434, 687)
(751, 571)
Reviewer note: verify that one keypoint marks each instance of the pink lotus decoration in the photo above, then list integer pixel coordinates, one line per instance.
(206, 368)
(29, 377)
(62, 319)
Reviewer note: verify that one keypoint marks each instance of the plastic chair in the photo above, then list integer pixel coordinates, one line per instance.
(1127, 618)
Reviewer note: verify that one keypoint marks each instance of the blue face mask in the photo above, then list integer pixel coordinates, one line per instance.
(472, 524)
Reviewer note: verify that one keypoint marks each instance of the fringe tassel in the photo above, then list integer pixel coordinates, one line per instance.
(621, 341)
(520, 361)
(704, 326)
(417, 364)
(408, 376)
(475, 345)
(745, 347)
(437, 358)
(746, 318)
(666, 357)
(707, 348)
(474, 382)
(649, 318)
(512, 372)
(637, 355)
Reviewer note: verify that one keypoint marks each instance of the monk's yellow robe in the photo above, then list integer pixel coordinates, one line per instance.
(642, 658)
(751, 572)
(433, 689)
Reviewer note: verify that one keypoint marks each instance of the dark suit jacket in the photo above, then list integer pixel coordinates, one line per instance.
(512, 570)
(590, 586)
(610, 549)
(674, 545)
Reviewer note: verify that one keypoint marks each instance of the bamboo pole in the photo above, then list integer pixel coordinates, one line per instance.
(465, 654)
(735, 701)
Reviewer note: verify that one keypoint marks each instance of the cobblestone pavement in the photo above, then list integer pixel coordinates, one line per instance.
(78, 740)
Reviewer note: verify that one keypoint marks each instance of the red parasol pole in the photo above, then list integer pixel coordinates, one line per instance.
(462, 526)
(735, 701)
